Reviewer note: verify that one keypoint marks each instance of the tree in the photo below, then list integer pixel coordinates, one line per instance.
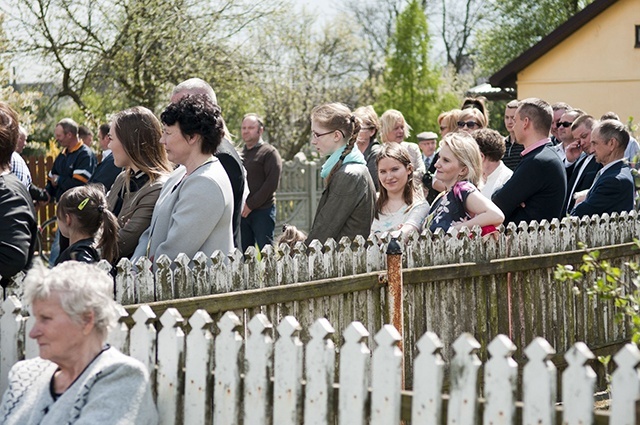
(457, 23)
(299, 66)
(25, 103)
(135, 50)
(410, 84)
(519, 24)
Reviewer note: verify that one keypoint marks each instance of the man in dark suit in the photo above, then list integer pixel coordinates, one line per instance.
(613, 189)
(537, 188)
(580, 175)
(106, 172)
(226, 153)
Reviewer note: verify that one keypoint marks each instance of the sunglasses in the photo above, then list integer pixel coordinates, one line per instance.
(469, 124)
(564, 124)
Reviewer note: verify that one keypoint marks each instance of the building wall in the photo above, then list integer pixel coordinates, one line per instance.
(596, 69)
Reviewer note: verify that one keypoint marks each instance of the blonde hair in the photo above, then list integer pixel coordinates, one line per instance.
(449, 119)
(368, 118)
(475, 114)
(388, 120)
(467, 152)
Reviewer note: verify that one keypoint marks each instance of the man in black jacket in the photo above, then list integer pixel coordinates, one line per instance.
(538, 186)
(18, 230)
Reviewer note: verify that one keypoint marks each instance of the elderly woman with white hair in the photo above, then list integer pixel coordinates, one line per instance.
(77, 378)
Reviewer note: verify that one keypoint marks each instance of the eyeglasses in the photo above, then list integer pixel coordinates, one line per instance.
(443, 127)
(319, 135)
(564, 124)
(366, 128)
(468, 124)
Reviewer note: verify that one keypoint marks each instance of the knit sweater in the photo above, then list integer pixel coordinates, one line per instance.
(113, 389)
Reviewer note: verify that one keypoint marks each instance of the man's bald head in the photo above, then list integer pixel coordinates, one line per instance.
(193, 86)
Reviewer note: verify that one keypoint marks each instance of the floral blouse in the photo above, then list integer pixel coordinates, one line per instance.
(448, 208)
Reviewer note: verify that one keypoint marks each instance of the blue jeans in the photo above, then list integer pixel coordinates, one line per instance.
(258, 228)
(55, 249)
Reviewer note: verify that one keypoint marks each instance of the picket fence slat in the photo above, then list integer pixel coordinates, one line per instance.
(170, 365)
(539, 384)
(319, 367)
(427, 382)
(288, 366)
(226, 393)
(354, 375)
(625, 391)
(579, 385)
(198, 391)
(259, 356)
(386, 380)
(500, 376)
(464, 377)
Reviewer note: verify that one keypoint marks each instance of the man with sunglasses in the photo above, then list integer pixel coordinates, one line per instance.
(559, 109)
(564, 133)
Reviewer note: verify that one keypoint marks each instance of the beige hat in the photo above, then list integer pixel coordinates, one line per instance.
(427, 135)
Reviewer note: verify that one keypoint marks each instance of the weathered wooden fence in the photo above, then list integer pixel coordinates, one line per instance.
(297, 197)
(452, 284)
(256, 379)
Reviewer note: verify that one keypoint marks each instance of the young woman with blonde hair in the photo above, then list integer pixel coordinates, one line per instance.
(394, 129)
(459, 169)
(347, 205)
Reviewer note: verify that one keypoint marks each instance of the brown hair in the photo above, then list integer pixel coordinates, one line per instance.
(399, 153)
(336, 116)
(368, 118)
(140, 131)
(490, 142)
(89, 205)
(9, 130)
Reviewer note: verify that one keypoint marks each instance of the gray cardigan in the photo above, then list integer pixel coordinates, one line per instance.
(113, 389)
(192, 214)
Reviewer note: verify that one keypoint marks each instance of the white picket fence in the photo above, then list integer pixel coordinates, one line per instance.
(198, 377)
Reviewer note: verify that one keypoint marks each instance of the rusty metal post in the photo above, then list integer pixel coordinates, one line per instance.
(395, 291)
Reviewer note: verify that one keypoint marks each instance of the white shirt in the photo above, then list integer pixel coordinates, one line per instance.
(496, 179)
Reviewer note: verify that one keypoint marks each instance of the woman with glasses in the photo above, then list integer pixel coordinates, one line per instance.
(471, 119)
(394, 129)
(366, 140)
(459, 169)
(347, 205)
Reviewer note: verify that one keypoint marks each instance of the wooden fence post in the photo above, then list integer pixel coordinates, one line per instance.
(395, 291)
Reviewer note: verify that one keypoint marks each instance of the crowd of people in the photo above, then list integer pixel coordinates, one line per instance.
(177, 185)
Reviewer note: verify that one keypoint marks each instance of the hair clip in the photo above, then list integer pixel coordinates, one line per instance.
(83, 204)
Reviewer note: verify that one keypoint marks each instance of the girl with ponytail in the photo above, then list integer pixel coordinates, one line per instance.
(347, 205)
(82, 216)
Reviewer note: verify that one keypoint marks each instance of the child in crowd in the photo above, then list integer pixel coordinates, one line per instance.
(82, 213)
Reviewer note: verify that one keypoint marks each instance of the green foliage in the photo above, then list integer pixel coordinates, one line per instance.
(411, 84)
(609, 285)
(519, 24)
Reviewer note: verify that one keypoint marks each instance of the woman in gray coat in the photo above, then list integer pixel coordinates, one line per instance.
(347, 205)
(194, 210)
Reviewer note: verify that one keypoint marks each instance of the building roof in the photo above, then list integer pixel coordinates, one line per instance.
(506, 77)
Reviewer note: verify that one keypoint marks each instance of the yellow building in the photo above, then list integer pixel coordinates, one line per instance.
(591, 62)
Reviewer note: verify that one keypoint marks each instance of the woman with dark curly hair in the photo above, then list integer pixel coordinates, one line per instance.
(194, 210)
